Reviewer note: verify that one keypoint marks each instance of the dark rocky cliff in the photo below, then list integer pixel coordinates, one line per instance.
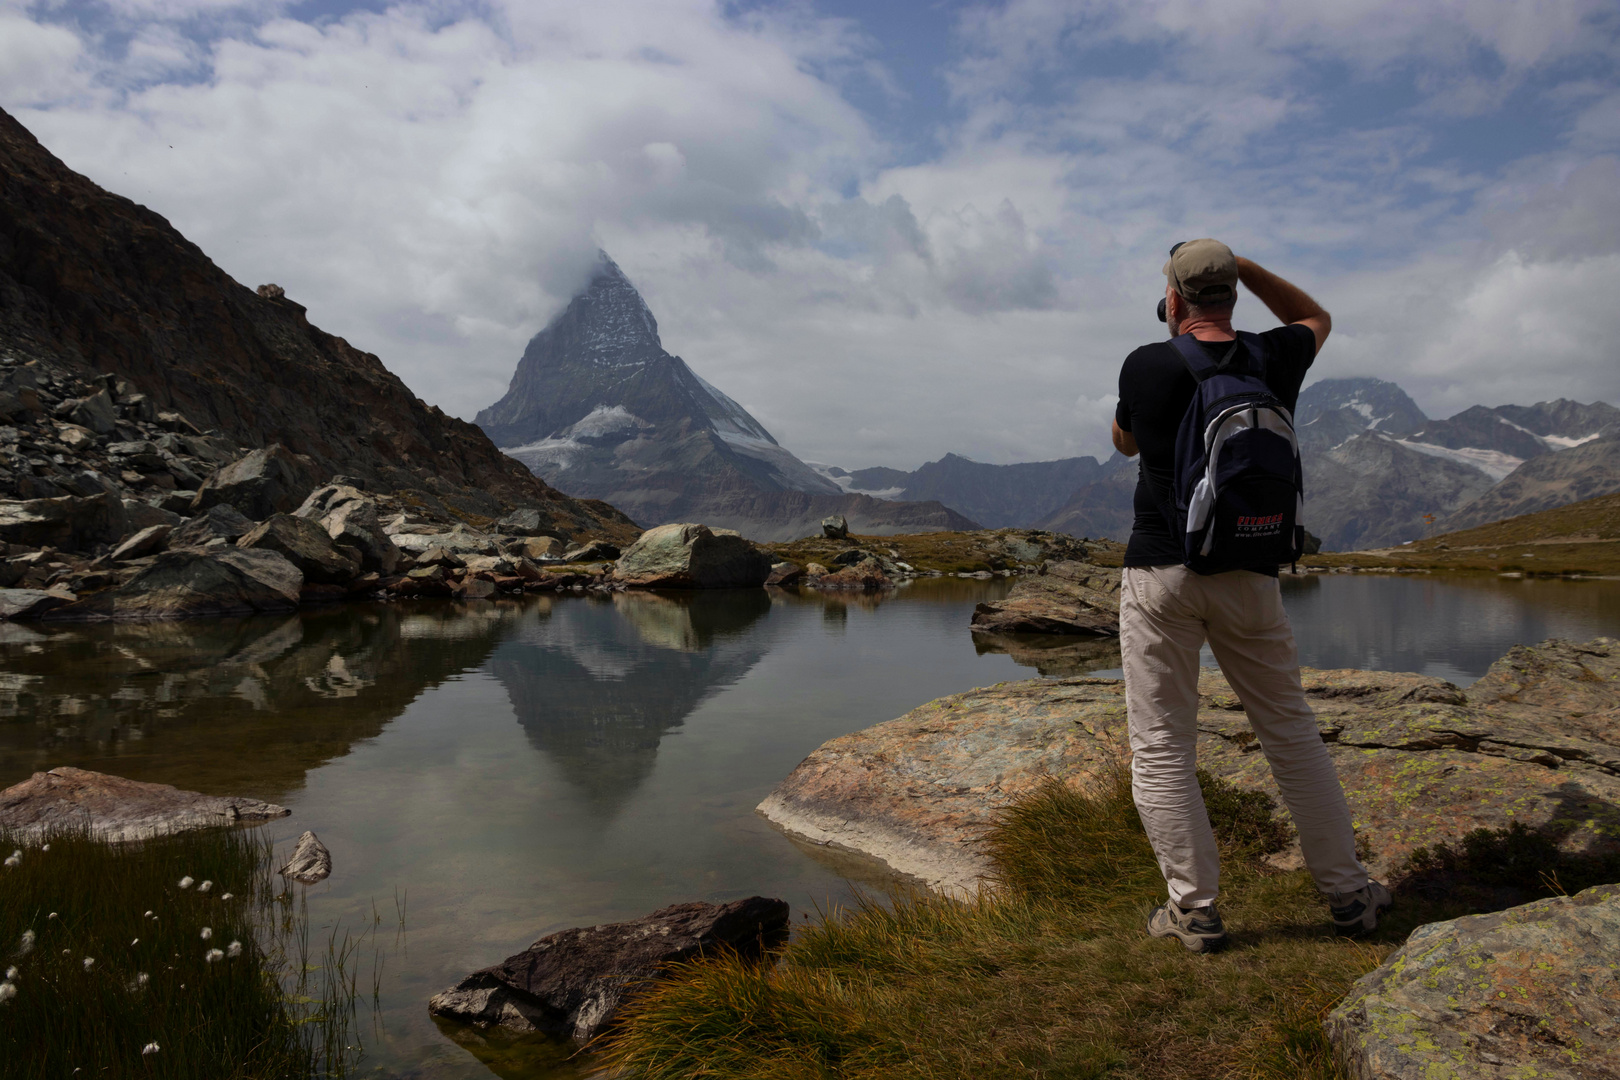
(94, 283)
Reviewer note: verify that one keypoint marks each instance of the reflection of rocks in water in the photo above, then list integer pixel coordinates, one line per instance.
(598, 684)
(1056, 656)
(243, 706)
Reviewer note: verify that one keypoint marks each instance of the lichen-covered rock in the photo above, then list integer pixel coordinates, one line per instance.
(572, 982)
(690, 556)
(1420, 762)
(1533, 991)
(867, 575)
(118, 809)
(1067, 598)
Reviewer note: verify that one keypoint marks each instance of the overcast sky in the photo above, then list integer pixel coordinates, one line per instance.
(891, 230)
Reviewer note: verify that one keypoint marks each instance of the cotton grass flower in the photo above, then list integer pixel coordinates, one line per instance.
(27, 945)
(11, 974)
(224, 896)
(149, 1048)
(89, 962)
(205, 886)
(45, 847)
(234, 949)
(14, 859)
(208, 932)
(142, 978)
(7, 991)
(185, 882)
(213, 954)
(134, 943)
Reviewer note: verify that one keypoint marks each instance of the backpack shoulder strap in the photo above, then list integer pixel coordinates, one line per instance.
(1199, 365)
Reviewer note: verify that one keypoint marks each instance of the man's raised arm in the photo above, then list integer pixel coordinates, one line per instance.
(1287, 301)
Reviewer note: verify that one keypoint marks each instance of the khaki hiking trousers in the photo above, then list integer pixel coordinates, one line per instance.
(1166, 613)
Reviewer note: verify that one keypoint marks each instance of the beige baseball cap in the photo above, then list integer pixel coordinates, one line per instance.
(1203, 271)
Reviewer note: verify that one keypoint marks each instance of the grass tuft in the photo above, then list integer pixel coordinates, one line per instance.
(125, 964)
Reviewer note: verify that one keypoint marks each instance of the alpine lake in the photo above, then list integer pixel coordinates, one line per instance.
(491, 772)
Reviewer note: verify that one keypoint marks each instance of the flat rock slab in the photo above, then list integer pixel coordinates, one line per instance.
(117, 809)
(1536, 741)
(1533, 991)
(1068, 598)
(572, 982)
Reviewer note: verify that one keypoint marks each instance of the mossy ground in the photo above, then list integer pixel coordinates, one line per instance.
(1579, 539)
(1051, 975)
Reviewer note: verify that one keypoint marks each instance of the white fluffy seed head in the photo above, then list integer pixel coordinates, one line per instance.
(89, 962)
(27, 940)
(207, 932)
(234, 949)
(134, 943)
(149, 1048)
(14, 860)
(11, 974)
(45, 847)
(224, 896)
(7, 991)
(205, 886)
(148, 915)
(142, 978)
(213, 954)
(185, 882)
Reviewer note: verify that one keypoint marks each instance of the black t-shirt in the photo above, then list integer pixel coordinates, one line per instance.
(1155, 389)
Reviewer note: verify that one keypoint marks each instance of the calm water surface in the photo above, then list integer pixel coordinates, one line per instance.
(512, 769)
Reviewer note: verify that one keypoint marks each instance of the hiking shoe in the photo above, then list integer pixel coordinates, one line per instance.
(1356, 913)
(1200, 929)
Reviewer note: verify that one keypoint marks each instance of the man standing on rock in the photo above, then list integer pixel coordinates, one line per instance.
(1168, 611)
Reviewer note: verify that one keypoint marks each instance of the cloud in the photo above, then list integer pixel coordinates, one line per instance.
(433, 180)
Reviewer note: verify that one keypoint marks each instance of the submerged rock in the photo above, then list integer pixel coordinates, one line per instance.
(184, 584)
(117, 809)
(1069, 598)
(310, 862)
(1530, 991)
(572, 982)
(690, 556)
(1536, 741)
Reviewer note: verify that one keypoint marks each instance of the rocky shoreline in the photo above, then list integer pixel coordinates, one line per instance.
(1536, 741)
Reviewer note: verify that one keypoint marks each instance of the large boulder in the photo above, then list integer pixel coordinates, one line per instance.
(835, 528)
(223, 523)
(96, 412)
(527, 522)
(1536, 741)
(461, 540)
(1066, 598)
(864, 576)
(268, 481)
(572, 982)
(689, 556)
(349, 517)
(181, 584)
(24, 604)
(116, 809)
(143, 515)
(307, 546)
(1530, 991)
(67, 523)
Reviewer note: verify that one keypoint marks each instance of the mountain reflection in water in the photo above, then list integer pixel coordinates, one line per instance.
(598, 684)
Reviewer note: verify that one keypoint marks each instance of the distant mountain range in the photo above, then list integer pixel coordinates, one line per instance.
(1378, 472)
(600, 409)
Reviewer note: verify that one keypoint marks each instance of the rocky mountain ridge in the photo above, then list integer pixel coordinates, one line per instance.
(110, 320)
(1378, 471)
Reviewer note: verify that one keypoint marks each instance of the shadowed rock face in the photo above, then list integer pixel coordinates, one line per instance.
(572, 982)
(1530, 991)
(1536, 741)
(93, 283)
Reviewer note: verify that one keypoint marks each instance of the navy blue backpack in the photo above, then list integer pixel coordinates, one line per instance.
(1238, 495)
